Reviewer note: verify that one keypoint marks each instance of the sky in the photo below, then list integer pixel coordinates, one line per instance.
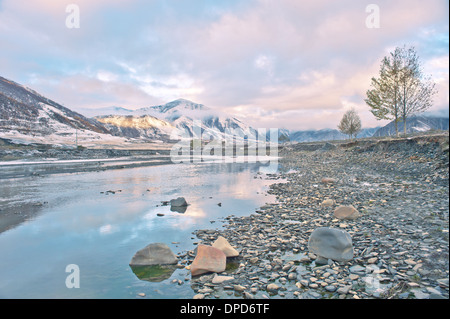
(288, 64)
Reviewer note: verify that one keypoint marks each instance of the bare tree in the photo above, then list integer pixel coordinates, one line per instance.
(401, 89)
(350, 123)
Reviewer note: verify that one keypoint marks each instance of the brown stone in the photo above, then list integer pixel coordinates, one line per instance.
(346, 212)
(327, 203)
(208, 259)
(327, 180)
(223, 244)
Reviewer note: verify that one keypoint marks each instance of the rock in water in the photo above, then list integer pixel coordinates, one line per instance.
(154, 254)
(222, 244)
(178, 205)
(178, 202)
(208, 259)
(335, 244)
(346, 212)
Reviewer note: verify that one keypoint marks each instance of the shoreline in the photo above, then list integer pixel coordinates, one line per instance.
(400, 240)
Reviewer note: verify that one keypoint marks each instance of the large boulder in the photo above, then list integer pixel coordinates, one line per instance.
(178, 202)
(154, 254)
(208, 259)
(178, 205)
(331, 243)
(346, 212)
(223, 244)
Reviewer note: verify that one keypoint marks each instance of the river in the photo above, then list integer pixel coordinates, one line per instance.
(98, 220)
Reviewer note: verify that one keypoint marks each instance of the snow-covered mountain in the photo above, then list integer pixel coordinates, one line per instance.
(175, 109)
(26, 111)
(29, 117)
(326, 135)
(143, 127)
(418, 123)
(102, 111)
(189, 119)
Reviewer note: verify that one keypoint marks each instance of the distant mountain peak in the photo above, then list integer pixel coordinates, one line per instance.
(179, 105)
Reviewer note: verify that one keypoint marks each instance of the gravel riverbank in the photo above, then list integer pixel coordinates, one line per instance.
(400, 240)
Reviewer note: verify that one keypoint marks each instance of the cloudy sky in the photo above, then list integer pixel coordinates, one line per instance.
(281, 63)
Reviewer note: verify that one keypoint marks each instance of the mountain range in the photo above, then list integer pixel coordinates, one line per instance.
(27, 116)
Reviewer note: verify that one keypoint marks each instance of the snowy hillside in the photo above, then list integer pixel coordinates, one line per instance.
(419, 123)
(28, 117)
(28, 112)
(143, 127)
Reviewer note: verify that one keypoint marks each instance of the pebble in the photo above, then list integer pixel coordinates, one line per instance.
(272, 288)
(330, 288)
(238, 288)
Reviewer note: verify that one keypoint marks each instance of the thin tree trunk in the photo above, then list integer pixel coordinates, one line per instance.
(404, 125)
(396, 127)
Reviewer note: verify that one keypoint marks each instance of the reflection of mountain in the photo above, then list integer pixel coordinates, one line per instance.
(156, 273)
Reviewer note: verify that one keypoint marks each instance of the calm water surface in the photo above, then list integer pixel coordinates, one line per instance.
(83, 224)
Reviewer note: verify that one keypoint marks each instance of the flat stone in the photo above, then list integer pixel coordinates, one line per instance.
(353, 276)
(344, 290)
(221, 279)
(222, 244)
(346, 212)
(357, 269)
(328, 180)
(410, 262)
(335, 244)
(443, 282)
(327, 203)
(208, 259)
(238, 288)
(432, 290)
